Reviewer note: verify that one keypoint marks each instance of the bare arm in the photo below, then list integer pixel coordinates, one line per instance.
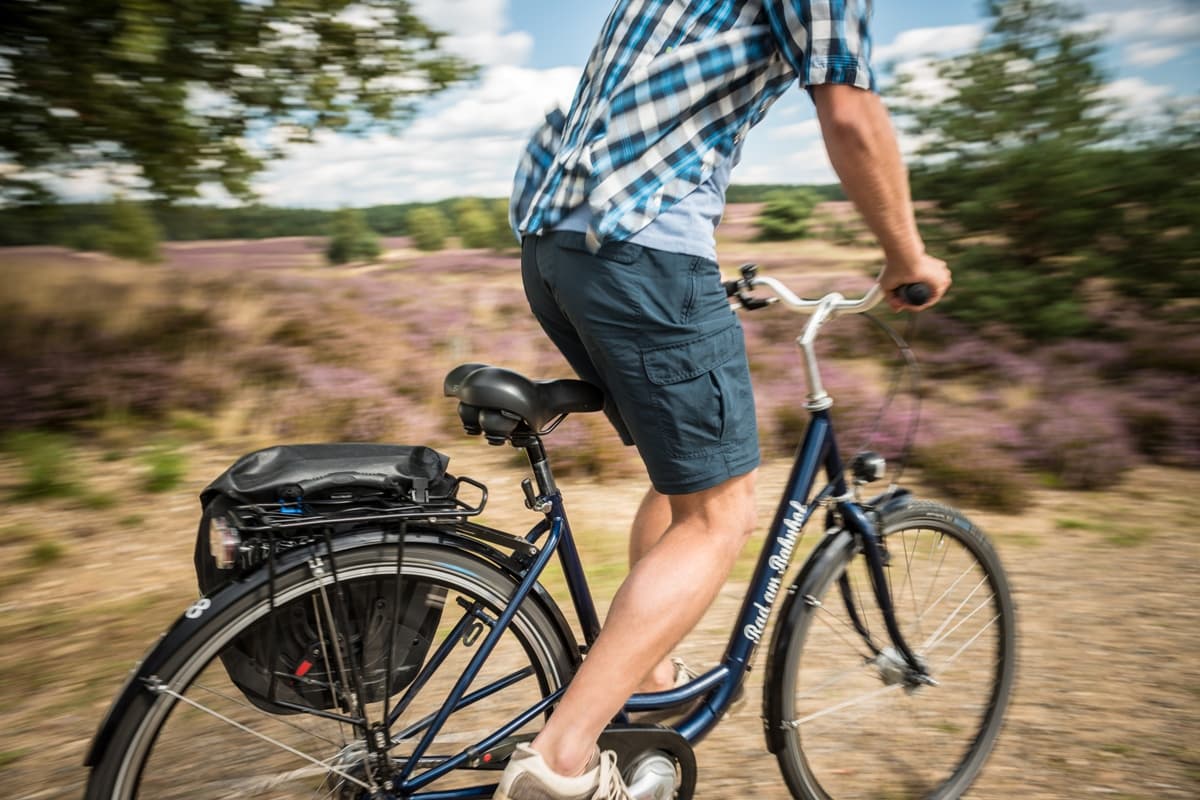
(862, 147)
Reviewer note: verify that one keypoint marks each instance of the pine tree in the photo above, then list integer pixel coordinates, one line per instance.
(1037, 189)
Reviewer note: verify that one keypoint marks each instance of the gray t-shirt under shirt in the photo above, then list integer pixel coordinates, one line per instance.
(688, 227)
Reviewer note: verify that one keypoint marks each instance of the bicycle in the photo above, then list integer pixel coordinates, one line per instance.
(324, 663)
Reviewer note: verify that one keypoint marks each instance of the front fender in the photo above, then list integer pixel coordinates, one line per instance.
(835, 548)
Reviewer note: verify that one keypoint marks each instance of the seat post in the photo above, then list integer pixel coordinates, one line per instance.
(540, 463)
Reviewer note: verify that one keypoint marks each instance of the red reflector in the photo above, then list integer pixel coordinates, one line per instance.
(487, 757)
(303, 669)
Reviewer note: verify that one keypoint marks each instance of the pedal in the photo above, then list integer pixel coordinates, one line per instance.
(496, 756)
(656, 762)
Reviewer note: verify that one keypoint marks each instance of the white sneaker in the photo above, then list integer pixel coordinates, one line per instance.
(527, 777)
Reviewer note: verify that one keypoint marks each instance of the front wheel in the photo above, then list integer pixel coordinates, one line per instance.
(852, 719)
(193, 730)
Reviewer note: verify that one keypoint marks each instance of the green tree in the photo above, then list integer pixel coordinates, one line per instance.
(503, 238)
(427, 227)
(1036, 189)
(177, 88)
(787, 215)
(129, 232)
(475, 226)
(350, 238)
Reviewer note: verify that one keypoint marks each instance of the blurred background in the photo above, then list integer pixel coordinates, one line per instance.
(225, 225)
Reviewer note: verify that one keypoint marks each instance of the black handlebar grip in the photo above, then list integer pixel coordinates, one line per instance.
(913, 294)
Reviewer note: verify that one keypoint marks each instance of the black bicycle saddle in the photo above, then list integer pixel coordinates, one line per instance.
(494, 400)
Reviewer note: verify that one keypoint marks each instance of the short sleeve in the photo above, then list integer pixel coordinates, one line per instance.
(825, 41)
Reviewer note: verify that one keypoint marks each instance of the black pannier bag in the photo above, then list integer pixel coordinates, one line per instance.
(278, 491)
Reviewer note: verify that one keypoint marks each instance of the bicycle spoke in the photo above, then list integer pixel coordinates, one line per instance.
(872, 695)
(945, 594)
(908, 581)
(325, 765)
(274, 717)
(826, 615)
(939, 541)
(937, 634)
(969, 642)
(829, 683)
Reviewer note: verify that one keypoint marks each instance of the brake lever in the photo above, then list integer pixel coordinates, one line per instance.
(738, 288)
(753, 303)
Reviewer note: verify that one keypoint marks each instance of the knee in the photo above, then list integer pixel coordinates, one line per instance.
(728, 510)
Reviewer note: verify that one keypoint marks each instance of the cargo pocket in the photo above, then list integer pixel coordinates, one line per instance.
(687, 400)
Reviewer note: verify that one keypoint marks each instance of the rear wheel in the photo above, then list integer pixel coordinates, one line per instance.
(857, 723)
(192, 733)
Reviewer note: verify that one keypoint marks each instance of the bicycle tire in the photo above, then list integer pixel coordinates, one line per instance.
(955, 609)
(162, 747)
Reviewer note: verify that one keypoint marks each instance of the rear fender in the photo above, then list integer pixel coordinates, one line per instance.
(204, 610)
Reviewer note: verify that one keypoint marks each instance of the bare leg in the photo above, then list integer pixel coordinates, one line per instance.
(667, 592)
(651, 522)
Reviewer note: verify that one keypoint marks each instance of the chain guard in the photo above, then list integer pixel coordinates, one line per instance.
(630, 742)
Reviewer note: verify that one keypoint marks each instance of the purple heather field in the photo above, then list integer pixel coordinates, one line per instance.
(257, 341)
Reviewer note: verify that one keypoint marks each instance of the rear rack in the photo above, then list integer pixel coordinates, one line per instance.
(270, 518)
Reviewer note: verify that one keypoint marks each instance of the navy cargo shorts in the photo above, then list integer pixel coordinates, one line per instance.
(656, 332)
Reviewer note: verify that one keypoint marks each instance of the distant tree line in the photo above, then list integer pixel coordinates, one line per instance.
(480, 222)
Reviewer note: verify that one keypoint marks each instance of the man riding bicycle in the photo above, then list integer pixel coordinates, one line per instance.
(617, 203)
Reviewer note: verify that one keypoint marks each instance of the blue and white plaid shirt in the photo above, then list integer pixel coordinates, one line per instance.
(670, 89)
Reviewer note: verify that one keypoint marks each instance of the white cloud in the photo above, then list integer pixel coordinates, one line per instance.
(1163, 21)
(797, 130)
(805, 163)
(1151, 55)
(1135, 98)
(467, 142)
(1152, 34)
(944, 40)
(467, 145)
(477, 30)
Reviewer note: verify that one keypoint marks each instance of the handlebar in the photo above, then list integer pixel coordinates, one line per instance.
(821, 311)
(913, 294)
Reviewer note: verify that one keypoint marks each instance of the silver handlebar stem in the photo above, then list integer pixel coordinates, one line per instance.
(826, 308)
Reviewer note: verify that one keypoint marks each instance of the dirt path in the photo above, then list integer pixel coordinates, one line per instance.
(1108, 698)
(1108, 690)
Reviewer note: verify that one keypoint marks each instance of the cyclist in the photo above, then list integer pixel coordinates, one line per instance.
(617, 202)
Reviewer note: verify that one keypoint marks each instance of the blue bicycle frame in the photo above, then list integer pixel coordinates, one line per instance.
(818, 451)
(718, 686)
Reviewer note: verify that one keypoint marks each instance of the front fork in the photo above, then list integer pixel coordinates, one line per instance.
(870, 538)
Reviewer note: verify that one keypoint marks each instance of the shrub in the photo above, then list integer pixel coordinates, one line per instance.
(503, 237)
(787, 215)
(1160, 415)
(132, 233)
(45, 553)
(47, 469)
(166, 468)
(974, 471)
(1078, 439)
(427, 227)
(350, 238)
(473, 223)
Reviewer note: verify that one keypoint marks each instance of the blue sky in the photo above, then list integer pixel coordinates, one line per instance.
(468, 141)
(532, 51)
